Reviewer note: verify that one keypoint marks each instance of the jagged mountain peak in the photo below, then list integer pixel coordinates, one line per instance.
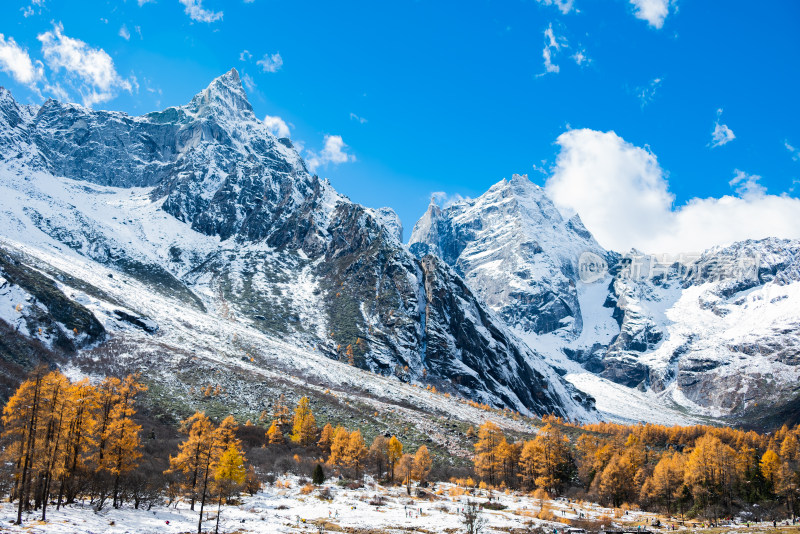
(225, 94)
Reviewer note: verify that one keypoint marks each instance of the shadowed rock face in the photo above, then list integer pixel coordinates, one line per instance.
(214, 166)
(515, 249)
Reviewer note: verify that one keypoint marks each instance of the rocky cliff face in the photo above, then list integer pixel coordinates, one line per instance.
(713, 334)
(225, 217)
(513, 246)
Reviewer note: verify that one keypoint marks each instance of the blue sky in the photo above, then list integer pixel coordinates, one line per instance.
(451, 97)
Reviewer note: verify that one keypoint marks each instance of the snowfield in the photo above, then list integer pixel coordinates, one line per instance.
(373, 508)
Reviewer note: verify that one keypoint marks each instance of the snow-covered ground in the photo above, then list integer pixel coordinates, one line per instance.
(280, 509)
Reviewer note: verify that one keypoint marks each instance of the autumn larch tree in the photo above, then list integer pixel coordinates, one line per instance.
(20, 425)
(356, 452)
(274, 434)
(121, 436)
(229, 474)
(304, 427)
(394, 453)
(326, 438)
(487, 462)
(422, 465)
(339, 444)
(199, 431)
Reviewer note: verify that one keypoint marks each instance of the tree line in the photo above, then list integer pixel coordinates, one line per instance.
(699, 471)
(64, 440)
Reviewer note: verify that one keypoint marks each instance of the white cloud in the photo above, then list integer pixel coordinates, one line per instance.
(551, 45)
(445, 200)
(277, 126)
(580, 57)
(27, 11)
(747, 184)
(653, 11)
(565, 6)
(792, 150)
(647, 93)
(195, 10)
(124, 33)
(90, 69)
(245, 55)
(721, 134)
(143, 2)
(332, 152)
(623, 198)
(355, 117)
(15, 61)
(248, 82)
(270, 63)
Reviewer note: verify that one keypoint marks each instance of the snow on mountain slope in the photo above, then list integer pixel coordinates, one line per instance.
(684, 339)
(513, 246)
(202, 207)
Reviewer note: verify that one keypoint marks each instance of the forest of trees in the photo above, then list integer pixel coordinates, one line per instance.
(64, 441)
(699, 471)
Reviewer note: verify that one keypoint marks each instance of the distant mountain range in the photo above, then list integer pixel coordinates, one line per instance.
(192, 242)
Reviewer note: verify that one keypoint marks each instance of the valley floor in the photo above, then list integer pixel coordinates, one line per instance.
(284, 508)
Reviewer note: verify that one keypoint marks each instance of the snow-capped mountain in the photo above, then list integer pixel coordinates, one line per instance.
(514, 247)
(654, 338)
(214, 218)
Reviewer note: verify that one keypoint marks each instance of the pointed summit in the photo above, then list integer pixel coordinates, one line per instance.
(223, 95)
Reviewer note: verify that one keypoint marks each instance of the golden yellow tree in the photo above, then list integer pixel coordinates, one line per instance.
(487, 462)
(339, 444)
(667, 478)
(121, 433)
(355, 453)
(395, 452)
(326, 438)
(552, 458)
(304, 426)
(616, 480)
(770, 464)
(20, 422)
(229, 475)
(54, 403)
(528, 464)
(422, 464)
(200, 434)
(790, 451)
(274, 434)
(79, 439)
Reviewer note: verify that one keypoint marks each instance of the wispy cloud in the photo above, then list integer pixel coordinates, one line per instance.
(722, 134)
(746, 184)
(15, 61)
(124, 33)
(332, 152)
(354, 117)
(245, 55)
(270, 62)
(248, 82)
(792, 150)
(195, 10)
(565, 6)
(90, 70)
(445, 200)
(552, 45)
(647, 94)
